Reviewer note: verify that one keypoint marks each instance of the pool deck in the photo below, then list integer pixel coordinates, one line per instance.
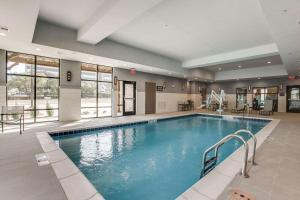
(275, 177)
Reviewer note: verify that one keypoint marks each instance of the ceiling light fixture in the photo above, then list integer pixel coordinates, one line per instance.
(240, 66)
(269, 62)
(37, 49)
(2, 34)
(258, 78)
(220, 69)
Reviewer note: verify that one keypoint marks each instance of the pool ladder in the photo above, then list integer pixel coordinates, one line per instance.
(210, 163)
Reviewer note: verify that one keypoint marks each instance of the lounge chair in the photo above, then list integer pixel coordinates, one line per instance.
(12, 115)
(268, 108)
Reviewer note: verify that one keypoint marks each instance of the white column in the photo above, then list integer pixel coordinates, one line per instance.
(70, 104)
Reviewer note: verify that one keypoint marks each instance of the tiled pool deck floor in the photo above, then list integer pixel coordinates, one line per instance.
(275, 177)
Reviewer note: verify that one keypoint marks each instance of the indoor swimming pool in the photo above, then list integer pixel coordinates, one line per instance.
(157, 160)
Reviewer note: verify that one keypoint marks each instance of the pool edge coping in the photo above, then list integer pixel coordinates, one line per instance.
(206, 189)
(57, 156)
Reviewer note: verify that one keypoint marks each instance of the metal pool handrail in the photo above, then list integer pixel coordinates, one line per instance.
(254, 140)
(216, 148)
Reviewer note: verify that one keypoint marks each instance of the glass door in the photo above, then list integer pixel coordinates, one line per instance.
(241, 97)
(129, 95)
(293, 98)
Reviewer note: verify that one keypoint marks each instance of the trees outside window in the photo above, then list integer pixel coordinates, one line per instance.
(96, 91)
(33, 82)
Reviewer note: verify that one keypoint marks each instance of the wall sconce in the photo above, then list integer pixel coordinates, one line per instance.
(115, 80)
(281, 86)
(69, 76)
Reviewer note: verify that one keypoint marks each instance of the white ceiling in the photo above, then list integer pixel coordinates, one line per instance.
(197, 28)
(197, 33)
(68, 13)
(245, 64)
(284, 21)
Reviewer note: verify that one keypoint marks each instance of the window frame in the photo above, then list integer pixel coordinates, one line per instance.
(35, 86)
(97, 81)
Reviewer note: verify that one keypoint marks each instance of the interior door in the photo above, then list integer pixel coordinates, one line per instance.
(150, 98)
(293, 98)
(129, 98)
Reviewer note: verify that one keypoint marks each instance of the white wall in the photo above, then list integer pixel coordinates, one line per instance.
(197, 98)
(69, 104)
(70, 91)
(140, 103)
(168, 102)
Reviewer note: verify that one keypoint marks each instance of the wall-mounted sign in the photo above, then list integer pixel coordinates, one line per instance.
(69, 76)
(133, 71)
(291, 77)
(159, 88)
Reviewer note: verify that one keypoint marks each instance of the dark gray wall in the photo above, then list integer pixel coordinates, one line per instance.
(230, 87)
(196, 86)
(173, 85)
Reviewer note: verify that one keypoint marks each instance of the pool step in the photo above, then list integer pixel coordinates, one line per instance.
(209, 165)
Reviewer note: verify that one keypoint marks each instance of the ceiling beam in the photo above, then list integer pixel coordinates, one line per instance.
(234, 56)
(19, 17)
(111, 16)
(266, 71)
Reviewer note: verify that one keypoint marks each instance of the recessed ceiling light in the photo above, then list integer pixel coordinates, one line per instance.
(240, 66)
(269, 62)
(258, 78)
(2, 34)
(219, 68)
(37, 49)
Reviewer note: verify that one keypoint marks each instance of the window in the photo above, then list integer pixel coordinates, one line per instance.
(96, 90)
(262, 94)
(241, 97)
(33, 82)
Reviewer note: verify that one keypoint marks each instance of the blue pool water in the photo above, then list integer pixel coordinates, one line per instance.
(150, 161)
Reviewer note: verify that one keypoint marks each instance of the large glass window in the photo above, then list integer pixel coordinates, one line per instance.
(33, 82)
(262, 94)
(96, 90)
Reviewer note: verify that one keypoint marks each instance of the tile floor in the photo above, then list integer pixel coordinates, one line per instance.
(275, 177)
